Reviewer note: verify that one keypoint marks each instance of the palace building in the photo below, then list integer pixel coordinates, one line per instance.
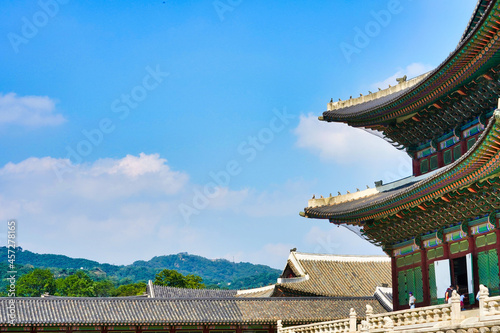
(440, 226)
(312, 288)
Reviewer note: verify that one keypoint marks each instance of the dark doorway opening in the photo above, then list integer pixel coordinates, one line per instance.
(459, 277)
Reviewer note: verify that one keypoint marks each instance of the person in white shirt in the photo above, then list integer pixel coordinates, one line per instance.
(412, 301)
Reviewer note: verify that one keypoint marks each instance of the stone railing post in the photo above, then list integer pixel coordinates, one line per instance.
(484, 293)
(388, 325)
(365, 327)
(456, 315)
(352, 320)
(369, 312)
(279, 326)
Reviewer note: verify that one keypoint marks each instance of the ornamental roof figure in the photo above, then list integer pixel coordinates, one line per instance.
(459, 88)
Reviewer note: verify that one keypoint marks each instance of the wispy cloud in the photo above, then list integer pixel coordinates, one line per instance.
(109, 209)
(340, 143)
(412, 70)
(28, 111)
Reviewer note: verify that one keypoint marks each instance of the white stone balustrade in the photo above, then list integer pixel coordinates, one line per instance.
(335, 326)
(412, 318)
(425, 319)
(444, 318)
(489, 307)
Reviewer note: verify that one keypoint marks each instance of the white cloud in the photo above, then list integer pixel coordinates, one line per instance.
(121, 210)
(338, 240)
(99, 208)
(343, 144)
(127, 209)
(29, 111)
(411, 71)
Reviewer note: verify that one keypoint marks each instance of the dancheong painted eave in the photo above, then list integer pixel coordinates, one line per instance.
(476, 57)
(465, 176)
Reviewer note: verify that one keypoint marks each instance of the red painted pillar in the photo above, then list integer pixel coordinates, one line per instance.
(425, 277)
(395, 294)
(440, 158)
(416, 167)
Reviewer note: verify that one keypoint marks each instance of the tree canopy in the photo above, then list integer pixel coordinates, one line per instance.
(36, 283)
(172, 278)
(76, 285)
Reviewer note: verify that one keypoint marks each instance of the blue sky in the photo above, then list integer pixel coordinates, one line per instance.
(134, 129)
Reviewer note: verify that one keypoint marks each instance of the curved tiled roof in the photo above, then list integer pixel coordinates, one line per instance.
(338, 275)
(480, 162)
(384, 296)
(476, 17)
(473, 56)
(172, 292)
(266, 291)
(148, 311)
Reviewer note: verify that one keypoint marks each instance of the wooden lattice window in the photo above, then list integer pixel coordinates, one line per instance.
(424, 165)
(471, 143)
(432, 285)
(487, 262)
(457, 152)
(447, 156)
(434, 162)
(459, 246)
(410, 280)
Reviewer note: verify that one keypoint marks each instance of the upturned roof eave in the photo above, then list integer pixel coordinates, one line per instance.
(359, 118)
(477, 164)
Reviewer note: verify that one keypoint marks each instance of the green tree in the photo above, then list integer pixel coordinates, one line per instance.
(76, 285)
(103, 288)
(36, 283)
(194, 282)
(172, 278)
(133, 289)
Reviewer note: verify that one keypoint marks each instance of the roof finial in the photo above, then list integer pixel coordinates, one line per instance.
(314, 197)
(339, 193)
(401, 79)
(348, 192)
(379, 89)
(369, 92)
(331, 100)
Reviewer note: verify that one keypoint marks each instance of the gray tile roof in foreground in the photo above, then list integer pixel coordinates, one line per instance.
(162, 311)
(172, 292)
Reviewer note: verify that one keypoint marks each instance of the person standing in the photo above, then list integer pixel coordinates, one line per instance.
(412, 301)
(447, 294)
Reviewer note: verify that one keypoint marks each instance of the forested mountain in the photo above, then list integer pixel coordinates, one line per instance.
(216, 273)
